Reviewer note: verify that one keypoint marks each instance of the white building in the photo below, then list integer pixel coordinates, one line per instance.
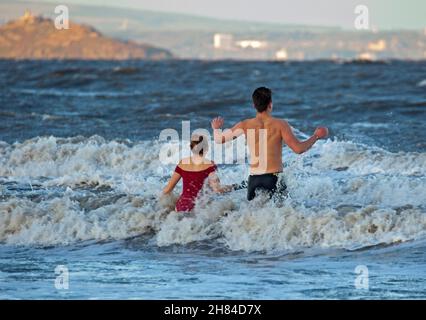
(254, 44)
(380, 45)
(281, 54)
(367, 56)
(223, 41)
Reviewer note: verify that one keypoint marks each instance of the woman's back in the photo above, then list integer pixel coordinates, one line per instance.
(194, 171)
(193, 176)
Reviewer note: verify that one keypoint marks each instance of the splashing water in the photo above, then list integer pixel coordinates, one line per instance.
(342, 195)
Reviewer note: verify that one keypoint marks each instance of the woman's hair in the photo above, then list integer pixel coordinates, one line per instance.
(199, 145)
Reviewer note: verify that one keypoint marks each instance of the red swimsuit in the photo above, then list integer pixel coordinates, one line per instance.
(193, 182)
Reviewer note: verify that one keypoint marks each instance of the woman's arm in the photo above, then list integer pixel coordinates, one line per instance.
(172, 183)
(214, 183)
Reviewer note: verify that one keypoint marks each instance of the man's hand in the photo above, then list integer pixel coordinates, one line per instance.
(217, 123)
(228, 134)
(321, 132)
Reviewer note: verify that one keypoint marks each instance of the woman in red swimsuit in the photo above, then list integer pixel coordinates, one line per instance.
(194, 171)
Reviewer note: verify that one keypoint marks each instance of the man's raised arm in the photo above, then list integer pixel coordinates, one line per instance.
(301, 146)
(227, 134)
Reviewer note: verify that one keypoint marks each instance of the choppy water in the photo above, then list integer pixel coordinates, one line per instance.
(80, 177)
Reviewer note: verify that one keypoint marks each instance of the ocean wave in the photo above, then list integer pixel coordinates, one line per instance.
(422, 83)
(126, 70)
(369, 125)
(78, 93)
(342, 194)
(258, 226)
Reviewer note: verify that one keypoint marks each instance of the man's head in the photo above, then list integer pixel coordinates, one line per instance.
(262, 99)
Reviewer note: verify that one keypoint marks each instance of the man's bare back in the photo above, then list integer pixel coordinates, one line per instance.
(265, 136)
(264, 140)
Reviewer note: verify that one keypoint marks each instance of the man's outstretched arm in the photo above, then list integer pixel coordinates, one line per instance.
(228, 134)
(301, 146)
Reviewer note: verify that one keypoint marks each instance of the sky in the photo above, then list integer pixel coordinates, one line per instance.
(384, 14)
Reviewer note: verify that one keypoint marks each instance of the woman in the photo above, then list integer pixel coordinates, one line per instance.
(194, 171)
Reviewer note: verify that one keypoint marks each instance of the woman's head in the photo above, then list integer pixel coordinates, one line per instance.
(199, 145)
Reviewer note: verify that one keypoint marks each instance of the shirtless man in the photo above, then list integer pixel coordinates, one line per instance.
(265, 136)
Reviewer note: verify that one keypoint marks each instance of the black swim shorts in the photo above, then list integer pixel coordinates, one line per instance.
(269, 182)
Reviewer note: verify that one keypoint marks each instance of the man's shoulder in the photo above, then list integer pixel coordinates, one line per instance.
(254, 123)
(244, 124)
(279, 121)
(248, 121)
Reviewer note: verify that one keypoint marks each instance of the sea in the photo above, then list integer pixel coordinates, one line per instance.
(81, 215)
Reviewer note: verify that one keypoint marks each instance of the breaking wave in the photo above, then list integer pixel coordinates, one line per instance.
(57, 191)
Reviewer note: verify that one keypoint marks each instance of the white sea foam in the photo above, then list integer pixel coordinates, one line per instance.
(422, 83)
(368, 125)
(342, 194)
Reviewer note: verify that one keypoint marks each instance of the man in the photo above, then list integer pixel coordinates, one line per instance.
(265, 136)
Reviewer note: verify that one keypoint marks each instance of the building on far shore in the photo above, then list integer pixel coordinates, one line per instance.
(223, 41)
(253, 44)
(310, 45)
(281, 54)
(367, 56)
(380, 45)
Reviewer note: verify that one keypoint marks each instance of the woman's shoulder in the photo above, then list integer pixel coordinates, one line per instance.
(187, 165)
(184, 161)
(209, 162)
(211, 166)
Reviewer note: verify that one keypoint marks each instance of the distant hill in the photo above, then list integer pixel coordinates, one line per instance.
(35, 37)
(113, 20)
(194, 37)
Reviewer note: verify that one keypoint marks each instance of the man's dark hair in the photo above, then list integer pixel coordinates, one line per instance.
(262, 97)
